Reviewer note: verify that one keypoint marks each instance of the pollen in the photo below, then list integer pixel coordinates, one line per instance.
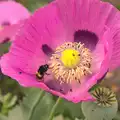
(71, 62)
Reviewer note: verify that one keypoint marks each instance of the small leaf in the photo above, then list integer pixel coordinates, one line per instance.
(9, 101)
(7, 97)
(12, 102)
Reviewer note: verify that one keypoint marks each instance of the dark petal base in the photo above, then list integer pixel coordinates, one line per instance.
(89, 39)
(47, 50)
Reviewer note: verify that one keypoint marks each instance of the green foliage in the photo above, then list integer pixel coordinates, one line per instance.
(4, 48)
(117, 117)
(24, 110)
(42, 110)
(69, 109)
(59, 117)
(8, 102)
(9, 85)
(14, 114)
(2, 117)
(78, 119)
(32, 5)
(118, 7)
(94, 87)
(94, 112)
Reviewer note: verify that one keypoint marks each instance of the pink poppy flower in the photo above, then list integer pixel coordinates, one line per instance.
(12, 14)
(72, 43)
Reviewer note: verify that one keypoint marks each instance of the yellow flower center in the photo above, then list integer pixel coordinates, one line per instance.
(70, 58)
(70, 62)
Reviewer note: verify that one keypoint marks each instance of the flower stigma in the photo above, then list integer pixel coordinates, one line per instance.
(70, 62)
(70, 58)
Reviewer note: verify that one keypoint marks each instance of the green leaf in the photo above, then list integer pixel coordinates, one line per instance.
(94, 87)
(32, 5)
(1, 96)
(60, 117)
(117, 117)
(94, 112)
(16, 114)
(9, 101)
(42, 110)
(7, 97)
(4, 48)
(69, 109)
(2, 117)
(8, 85)
(12, 102)
(118, 7)
(67, 118)
(78, 119)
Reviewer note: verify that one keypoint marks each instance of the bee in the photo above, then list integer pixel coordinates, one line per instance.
(42, 71)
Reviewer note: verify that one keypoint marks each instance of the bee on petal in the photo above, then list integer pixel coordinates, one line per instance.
(42, 71)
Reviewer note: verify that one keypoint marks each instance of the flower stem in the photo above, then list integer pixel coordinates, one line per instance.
(36, 103)
(54, 108)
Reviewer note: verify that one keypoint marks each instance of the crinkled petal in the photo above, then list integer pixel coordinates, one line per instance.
(115, 54)
(78, 15)
(97, 57)
(112, 21)
(40, 30)
(111, 14)
(86, 15)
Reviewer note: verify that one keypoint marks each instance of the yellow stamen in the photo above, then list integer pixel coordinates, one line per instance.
(70, 62)
(70, 58)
